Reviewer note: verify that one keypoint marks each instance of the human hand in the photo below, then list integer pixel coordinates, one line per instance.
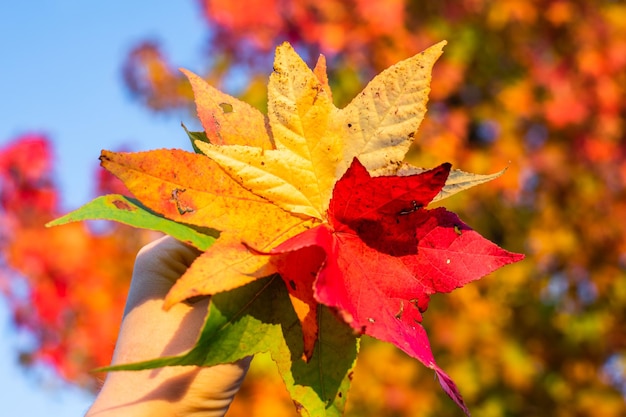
(148, 332)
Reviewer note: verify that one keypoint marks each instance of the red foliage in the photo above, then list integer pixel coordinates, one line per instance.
(385, 255)
(27, 192)
(66, 286)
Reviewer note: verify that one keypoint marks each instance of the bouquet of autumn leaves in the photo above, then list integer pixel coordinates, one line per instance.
(313, 230)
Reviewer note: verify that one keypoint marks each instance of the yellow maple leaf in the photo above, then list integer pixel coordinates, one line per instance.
(315, 141)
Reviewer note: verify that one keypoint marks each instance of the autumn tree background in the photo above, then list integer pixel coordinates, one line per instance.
(535, 86)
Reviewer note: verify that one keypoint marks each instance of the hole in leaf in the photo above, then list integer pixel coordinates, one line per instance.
(226, 107)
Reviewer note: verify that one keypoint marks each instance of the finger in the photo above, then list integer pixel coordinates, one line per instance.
(157, 267)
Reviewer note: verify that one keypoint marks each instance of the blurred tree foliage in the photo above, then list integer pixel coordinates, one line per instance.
(537, 86)
(66, 287)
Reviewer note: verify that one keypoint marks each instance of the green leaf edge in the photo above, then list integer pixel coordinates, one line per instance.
(196, 136)
(130, 211)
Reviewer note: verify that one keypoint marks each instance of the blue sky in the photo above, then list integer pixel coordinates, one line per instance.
(60, 75)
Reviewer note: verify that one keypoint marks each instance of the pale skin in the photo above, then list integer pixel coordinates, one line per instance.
(148, 332)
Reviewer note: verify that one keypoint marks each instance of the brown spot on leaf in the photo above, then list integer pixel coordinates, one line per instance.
(104, 157)
(414, 207)
(318, 89)
(180, 206)
(298, 406)
(398, 315)
(123, 205)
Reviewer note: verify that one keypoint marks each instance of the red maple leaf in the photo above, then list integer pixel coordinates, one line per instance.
(381, 255)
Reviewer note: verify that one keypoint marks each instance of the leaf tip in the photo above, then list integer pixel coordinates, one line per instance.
(55, 222)
(451, 389)
(105, 156)
(284, 45)
(439, 46)
(516, 257)
(169, 301)
(283, 48)
(435, 51)
(191, 76)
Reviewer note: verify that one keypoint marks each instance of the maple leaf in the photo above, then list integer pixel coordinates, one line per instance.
(315, 142)
(191, 189)
(227, 120)
(385, 254)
